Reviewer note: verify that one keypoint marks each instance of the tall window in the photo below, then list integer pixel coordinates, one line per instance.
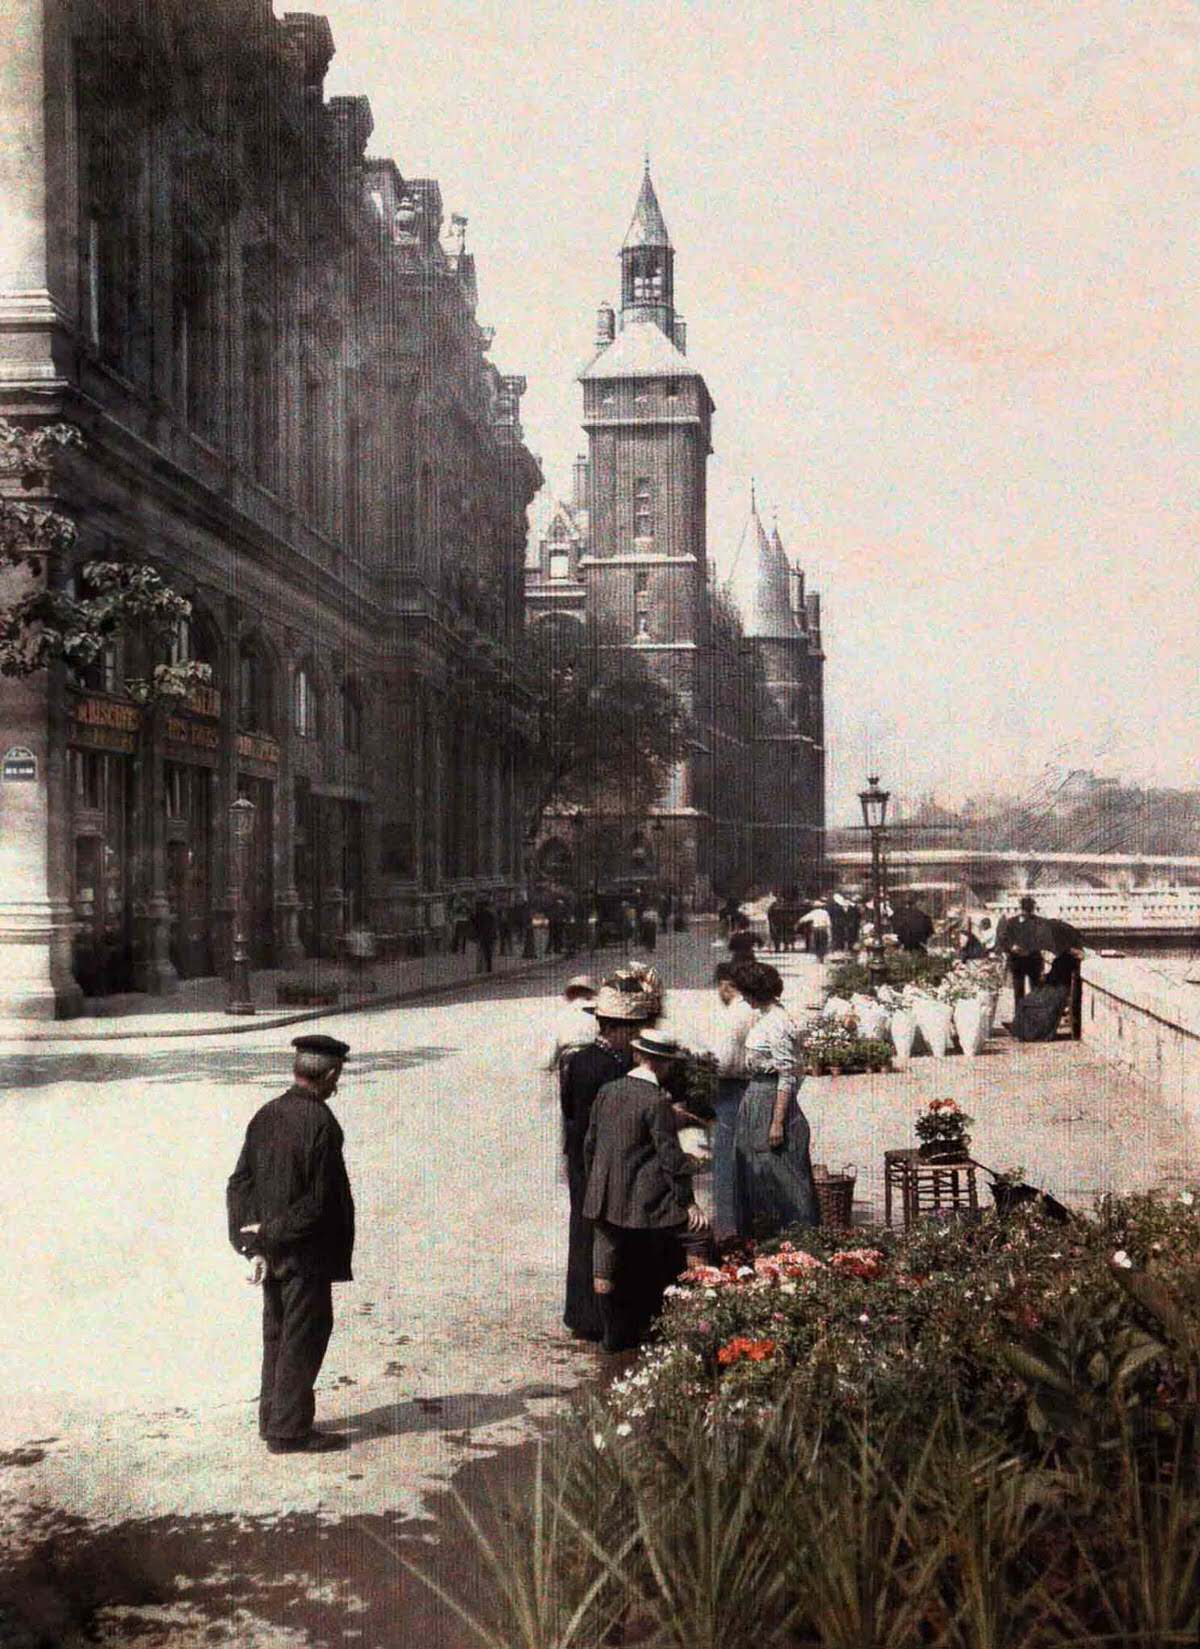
(254, 691)
(194, 330)
(641, 594)
(643, 508)
(305, 704)
(352, 719)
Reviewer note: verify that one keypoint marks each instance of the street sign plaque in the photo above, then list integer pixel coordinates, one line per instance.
(18, 765)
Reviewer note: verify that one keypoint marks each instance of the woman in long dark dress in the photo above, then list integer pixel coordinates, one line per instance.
(1038, 1012)
(775, 1186)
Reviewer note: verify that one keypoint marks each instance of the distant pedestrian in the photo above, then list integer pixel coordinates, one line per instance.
(574, 1025)
(1023, 939)
(742, 938)
(291, 1211)
(775, 1185)
(817, 924)
(639, 1193)
(483, 931)
(504, 931)
(912, 926)
(648, 928)
(1067, 944)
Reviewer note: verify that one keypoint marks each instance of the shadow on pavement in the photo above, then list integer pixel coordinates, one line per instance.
(297, 1578)
(459, 1413)
(182, 1063)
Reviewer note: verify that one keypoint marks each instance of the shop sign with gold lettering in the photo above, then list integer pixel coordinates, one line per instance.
(257, 747)
(205, 701)
(105, 724)
(195, 735)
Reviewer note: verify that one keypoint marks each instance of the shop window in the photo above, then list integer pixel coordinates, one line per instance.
(643, 508)
(305, 704)
(87, 780)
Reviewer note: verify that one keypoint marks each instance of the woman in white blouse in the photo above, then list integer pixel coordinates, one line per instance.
(774, 1174)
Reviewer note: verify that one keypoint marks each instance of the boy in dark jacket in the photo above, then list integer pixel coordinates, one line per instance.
(639, 1194)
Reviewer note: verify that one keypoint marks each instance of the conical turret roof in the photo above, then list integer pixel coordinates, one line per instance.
(769, 609)
(648, 227)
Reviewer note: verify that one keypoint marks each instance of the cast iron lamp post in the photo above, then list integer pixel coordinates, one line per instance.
(241, 830)
(874, 804)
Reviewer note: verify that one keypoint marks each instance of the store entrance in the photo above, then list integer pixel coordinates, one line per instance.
(101, 794)
(189, 804)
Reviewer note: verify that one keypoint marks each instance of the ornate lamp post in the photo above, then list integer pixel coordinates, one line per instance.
(874, 803)
(241, 831)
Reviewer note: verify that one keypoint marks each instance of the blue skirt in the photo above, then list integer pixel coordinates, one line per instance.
(775, 1189)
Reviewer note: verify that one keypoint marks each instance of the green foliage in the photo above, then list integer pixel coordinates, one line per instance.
(609, 730)
(900, 968)
(45, 623)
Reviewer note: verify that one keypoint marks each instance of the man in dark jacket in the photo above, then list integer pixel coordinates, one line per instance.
(291, 1212)
(639, 1193)
(1023, 938)
(1066, 942)
(483, 930)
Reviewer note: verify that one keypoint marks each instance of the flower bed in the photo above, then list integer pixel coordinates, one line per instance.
(878, 1319)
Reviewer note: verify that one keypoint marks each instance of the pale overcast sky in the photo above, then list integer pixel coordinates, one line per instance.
(939, 264)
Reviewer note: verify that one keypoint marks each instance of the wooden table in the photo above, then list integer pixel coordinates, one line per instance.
(927, 1187)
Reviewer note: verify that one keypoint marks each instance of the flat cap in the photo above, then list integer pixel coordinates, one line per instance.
(321, 1045)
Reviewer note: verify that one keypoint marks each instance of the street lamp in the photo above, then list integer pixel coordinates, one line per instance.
(241, 830)
(874, 804)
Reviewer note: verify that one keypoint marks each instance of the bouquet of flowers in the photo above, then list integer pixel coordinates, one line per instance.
(942, 1130)
(959, 986)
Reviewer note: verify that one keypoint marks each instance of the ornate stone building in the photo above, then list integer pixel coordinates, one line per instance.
(288, 406)
(745, 806)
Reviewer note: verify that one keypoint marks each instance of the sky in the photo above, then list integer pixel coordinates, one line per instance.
(938, 260)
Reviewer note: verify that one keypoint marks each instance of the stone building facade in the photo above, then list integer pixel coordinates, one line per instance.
(288, 407)
(745, 805)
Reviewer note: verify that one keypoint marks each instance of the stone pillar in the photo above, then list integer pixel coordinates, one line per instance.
(36, 914)
(225, 791)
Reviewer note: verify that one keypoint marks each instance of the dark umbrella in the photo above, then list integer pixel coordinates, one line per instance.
(1022, 1191)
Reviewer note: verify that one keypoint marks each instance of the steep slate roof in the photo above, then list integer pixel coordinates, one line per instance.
(648, 227)
(769, 609)
(642, 350)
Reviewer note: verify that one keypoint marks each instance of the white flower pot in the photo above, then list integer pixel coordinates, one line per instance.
(934, 1021)
(903, 1028)
(989, 1013)
(970, 1024)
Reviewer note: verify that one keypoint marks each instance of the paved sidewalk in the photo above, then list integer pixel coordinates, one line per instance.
(197, 1008)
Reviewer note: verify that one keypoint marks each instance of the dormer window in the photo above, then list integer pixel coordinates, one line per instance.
(560, 564)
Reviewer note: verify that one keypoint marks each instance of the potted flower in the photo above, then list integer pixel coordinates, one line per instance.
(1010, 1191)
(942, 1131)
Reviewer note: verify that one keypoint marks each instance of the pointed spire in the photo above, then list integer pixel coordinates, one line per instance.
(770, 613)
(647, 227)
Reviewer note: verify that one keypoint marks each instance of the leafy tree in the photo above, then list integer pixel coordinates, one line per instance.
(609, 729)
(42, 623)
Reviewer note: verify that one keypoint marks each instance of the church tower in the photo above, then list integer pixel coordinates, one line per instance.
(783, 624)
(648, 417)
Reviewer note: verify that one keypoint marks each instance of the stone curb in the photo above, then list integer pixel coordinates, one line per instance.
(19, 1031)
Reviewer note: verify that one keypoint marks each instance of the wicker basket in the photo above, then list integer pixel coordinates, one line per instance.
(835, 1195)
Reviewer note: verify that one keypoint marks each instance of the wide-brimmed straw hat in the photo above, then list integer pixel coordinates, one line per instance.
(628, 1003)
(658, 1044)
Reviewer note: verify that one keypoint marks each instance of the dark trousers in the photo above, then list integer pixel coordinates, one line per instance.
(1025, 969)
(641, 1266)
(483, 962)
(297, 1323)
(581, 1313)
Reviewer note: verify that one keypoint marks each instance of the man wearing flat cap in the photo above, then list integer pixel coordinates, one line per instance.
(291, 1212)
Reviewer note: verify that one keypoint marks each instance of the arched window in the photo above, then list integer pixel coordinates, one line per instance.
(305, 703)
(352, 718)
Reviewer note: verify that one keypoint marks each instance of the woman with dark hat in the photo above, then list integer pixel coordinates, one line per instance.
(773, 1169)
